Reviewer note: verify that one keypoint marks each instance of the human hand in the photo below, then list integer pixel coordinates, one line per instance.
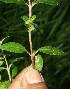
(28, 78)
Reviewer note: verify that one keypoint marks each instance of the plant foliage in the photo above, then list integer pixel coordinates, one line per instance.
(53, 29)
(13, 1)
(38, 62)
(51, 2)
(51, 50)
(13, 47)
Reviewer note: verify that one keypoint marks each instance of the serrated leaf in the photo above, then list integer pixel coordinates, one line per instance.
(13, 47)
(38, 62)
(14, 71)
(13, 1)
(51, 50)
(1, 62)
(51, 2)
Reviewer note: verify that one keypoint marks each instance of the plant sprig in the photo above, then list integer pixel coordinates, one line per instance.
(37, 60)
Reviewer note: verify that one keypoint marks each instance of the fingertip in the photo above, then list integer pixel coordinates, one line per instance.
(33, 76)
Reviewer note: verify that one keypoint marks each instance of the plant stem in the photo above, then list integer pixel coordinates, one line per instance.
(32, 55)
(8, 70)
(30, 8)
(30, 38)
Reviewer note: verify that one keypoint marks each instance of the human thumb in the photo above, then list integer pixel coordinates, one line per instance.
(33, 80)
(28, 78)
(33, 76)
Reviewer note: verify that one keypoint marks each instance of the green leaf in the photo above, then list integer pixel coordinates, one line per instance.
(4, 85)
(1, 68)
(13, 47)
(31, 28)
(33, 17)
(13, 1)
(17, 59)
(7, 83)
(14, 71)
(1, 62)
(25, 18)
(1, 58)
(51, 50)
(0, 77)
(38, 62)
(51, 2)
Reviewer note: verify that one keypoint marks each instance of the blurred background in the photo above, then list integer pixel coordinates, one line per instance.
(53, 29)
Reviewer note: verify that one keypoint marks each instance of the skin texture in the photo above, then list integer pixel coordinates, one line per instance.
(28, 78)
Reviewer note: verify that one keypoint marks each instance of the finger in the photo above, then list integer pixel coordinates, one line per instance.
(33, 80)
(17, 81)
(28, 78)
(33, 76)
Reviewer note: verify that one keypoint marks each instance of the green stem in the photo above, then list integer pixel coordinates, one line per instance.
(8, 70)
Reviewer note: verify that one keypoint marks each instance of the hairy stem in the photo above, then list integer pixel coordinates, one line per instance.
(30, 39)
